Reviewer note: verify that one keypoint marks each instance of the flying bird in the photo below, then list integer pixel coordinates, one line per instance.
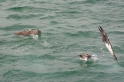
(105, 39)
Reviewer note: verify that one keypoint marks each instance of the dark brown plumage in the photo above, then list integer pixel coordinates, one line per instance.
(28, 33)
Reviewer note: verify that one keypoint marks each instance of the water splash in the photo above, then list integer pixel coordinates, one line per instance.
(94, 57)
(45, 43)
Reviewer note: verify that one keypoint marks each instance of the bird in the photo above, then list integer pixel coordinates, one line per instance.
(86, 57)
(105, 39)
(33, 33)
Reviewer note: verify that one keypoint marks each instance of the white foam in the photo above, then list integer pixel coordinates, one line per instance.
(94, 57)
(35, 36)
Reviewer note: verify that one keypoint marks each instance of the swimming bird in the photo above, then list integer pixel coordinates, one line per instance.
(105, 39)
(87, 57)
(33, 33)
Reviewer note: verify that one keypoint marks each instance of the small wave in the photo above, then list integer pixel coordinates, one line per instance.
(16, 16)
(30, 9)
(20, 9)
(117, 32)
(83, 33)
(16, 27)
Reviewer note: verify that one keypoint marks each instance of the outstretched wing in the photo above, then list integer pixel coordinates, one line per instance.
(106, 41)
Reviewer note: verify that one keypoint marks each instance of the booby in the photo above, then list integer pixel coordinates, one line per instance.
(105, 39)
(33, 33)
(86, 57)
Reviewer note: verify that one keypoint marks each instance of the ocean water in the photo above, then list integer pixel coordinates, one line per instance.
(69, 27)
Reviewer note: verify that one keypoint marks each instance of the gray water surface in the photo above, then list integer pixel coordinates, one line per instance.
(69, 27)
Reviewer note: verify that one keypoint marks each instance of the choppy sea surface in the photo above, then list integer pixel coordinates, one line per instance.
(69, 27)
